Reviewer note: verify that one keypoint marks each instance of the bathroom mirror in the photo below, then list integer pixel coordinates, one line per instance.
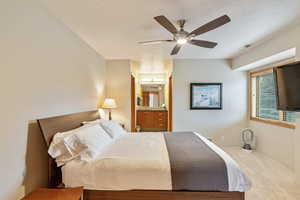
(152, 95)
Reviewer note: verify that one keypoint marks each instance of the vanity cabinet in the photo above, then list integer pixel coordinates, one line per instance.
(152, 120)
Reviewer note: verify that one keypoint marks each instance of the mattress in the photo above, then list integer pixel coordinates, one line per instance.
(158, 161)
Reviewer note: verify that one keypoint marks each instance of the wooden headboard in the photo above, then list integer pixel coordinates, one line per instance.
(51, 126)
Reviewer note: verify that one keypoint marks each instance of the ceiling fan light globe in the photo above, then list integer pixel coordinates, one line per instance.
(182, 41)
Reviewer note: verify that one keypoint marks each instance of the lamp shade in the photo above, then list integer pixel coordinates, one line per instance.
(109, 103)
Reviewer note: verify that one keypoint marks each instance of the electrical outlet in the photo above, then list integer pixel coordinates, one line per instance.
(223, 138)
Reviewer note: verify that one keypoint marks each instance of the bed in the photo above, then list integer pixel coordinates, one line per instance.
(148, 166)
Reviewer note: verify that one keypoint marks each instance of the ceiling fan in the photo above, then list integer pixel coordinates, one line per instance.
(181, 37)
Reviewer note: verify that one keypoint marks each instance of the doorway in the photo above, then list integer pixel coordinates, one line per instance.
(149, 111)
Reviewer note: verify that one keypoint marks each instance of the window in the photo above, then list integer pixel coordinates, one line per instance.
(263, 101)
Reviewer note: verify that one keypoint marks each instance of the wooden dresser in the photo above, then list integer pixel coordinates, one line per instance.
(152, 120)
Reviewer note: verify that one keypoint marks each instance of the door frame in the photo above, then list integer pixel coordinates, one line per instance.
(133, 105)
(170, 109)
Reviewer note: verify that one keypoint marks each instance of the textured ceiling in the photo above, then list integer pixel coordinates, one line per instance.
(113, 27)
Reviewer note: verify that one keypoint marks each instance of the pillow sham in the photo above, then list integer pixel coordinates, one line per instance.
(113, 128)
(97, 121)
(88, 142)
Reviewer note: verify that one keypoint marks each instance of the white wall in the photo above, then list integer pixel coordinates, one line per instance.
(279, 143)
(227, 122)
(118, 86)
(274, 141)
(45, 70)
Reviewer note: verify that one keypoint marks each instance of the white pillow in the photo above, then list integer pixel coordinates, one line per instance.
(88, 142)
(97, 121)
(59, 150)
(114, 129)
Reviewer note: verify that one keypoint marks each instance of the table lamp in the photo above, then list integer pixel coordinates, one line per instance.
(109, 104)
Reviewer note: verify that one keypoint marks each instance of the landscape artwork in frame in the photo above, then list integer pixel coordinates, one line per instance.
(206, 96)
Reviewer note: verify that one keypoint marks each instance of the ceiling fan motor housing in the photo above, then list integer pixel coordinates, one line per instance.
(181, 34)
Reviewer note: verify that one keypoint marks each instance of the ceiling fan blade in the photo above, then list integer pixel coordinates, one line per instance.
(211, 25)
(155, 42)
(162, 20)
(176, 49)
(203, 43)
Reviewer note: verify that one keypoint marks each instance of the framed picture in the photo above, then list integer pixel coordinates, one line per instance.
(206, 96)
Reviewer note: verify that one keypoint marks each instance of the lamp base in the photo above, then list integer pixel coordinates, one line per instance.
(109, 115)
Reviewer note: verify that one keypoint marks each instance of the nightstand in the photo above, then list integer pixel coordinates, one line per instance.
(55, 194)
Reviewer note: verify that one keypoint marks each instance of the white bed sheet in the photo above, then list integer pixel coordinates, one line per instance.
(134, 161)
(139, 162)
